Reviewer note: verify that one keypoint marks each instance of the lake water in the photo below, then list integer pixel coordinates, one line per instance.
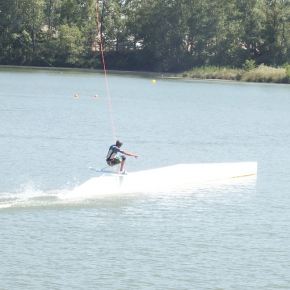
(231, 234)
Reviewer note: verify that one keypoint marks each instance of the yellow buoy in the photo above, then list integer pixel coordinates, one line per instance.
(153, 81)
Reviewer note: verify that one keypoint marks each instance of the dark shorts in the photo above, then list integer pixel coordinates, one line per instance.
(116, 160)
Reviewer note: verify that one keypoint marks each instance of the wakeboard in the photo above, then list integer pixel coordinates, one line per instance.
(105, 170)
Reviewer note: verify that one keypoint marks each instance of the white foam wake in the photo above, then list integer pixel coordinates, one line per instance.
(29, 195)
(177, 179)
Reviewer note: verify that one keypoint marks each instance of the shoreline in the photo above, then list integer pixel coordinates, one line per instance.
(93, 70)
(262, 74)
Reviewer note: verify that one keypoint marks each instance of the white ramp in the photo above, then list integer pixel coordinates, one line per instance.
(164, 178)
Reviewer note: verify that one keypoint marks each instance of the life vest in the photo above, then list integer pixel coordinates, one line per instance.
(113, 150)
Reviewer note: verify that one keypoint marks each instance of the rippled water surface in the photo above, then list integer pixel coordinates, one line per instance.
(227, 234)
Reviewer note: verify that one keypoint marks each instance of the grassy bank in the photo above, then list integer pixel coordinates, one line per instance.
(262, 73)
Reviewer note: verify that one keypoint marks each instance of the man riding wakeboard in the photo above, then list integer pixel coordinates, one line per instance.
(113, 158)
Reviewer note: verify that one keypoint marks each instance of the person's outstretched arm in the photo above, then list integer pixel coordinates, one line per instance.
(129, 154)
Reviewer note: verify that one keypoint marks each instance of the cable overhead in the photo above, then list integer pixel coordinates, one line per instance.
(104, 64)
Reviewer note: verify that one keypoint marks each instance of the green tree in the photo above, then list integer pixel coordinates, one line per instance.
(70, 45)
(200, 35)
(19, 18)
(162, 31)
(52, 15)
(275, 36)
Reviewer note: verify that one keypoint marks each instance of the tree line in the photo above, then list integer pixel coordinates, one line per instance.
(152, 35)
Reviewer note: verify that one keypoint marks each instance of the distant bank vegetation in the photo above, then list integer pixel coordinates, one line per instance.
(151, 35)
(249, 73)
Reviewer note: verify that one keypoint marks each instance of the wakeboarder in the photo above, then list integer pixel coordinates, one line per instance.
(113, 158)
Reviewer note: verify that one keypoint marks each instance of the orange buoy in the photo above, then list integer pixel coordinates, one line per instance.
(96, 96)
(76, 96)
